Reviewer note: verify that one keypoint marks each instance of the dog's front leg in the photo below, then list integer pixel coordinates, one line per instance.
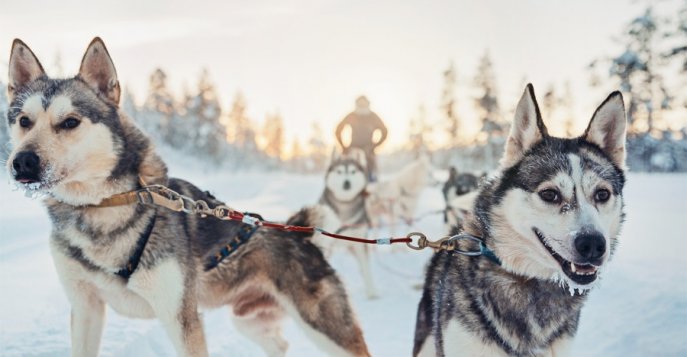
(88, 309)
(87, 320)
(561, 346)
(175, 304)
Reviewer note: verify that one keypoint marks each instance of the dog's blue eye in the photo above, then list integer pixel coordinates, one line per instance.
(24, 122)
(70, 123)
(550, 195)
(602, 195)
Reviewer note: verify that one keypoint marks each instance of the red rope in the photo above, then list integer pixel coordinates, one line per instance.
(238, 216)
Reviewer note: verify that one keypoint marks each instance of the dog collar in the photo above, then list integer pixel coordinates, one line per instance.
(157, 195)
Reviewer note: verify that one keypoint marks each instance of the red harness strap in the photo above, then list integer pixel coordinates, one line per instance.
(240, 217)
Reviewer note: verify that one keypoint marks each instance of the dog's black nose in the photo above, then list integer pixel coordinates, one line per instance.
(27, 165)
(347, 185)
(591, 246)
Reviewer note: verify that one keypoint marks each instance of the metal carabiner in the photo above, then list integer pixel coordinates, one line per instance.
(201, 207)
(466, 236)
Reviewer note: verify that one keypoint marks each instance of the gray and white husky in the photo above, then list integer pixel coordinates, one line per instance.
(344, 204)
(71, 141)
(551, 218)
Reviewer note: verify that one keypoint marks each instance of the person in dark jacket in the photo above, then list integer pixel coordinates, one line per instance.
(364, 123)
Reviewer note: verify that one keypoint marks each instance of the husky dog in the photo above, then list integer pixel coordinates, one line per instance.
(551, 220)
(397, 197)
(343, 202)
(72, 142)
(459, 194)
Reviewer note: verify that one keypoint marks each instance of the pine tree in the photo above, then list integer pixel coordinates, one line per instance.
(240, 130)
(159, 109)
(567, 104)
(549, 102)
(551, 110)
(636, 70)
(273, 135)
(487, 102)
(296, 155)
(129, 104)
(419, 131)
(448, 104)
(203, 108)
(679, 36)
(678, 50)
(317, 147)
(159, 97)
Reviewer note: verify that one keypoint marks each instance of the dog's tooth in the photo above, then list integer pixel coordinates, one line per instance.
(572, 267)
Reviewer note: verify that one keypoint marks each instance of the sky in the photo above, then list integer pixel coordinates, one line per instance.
(308, 60)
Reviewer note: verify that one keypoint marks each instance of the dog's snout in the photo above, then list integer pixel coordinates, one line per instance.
(347, 185)
(26, 164)
(590, 246)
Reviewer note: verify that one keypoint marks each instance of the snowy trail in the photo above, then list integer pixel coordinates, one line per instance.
(640, 308)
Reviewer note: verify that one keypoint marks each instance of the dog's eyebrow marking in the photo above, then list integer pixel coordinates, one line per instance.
(60, 106)
(33, 105)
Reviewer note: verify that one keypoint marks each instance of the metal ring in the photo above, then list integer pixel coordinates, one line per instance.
(421, 242)
(201, 207)
(187, 204)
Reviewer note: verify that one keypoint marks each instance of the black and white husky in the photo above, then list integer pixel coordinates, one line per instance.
(72, 141)
(551, 217)
(343, 202)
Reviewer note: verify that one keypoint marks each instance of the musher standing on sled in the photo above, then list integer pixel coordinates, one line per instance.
(364, 123)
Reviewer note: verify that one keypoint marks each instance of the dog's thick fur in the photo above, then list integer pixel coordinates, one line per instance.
(551, 198)
(396, 198)
(71, 141)
(459, 192)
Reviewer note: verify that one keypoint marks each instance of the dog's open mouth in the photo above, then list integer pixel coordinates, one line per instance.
(582, 274)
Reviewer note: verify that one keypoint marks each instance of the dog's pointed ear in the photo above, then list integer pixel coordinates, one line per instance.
(99, 72)
(24, 68)
(608, 127)
(452, 173)
(527, 129)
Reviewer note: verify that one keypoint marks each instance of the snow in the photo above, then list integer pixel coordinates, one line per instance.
(639, 309)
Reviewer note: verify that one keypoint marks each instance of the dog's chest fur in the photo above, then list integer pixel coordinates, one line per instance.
(351, 212)
(93, 244)
(517, 315)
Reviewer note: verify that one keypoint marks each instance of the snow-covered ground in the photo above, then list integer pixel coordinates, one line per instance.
(640, 309)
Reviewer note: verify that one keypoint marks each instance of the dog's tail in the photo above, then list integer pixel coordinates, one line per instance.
(314, 216)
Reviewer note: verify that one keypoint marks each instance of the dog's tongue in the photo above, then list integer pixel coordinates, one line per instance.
(25, 180)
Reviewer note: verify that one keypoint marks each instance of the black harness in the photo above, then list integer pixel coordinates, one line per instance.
(140, 247)
(245, 232)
